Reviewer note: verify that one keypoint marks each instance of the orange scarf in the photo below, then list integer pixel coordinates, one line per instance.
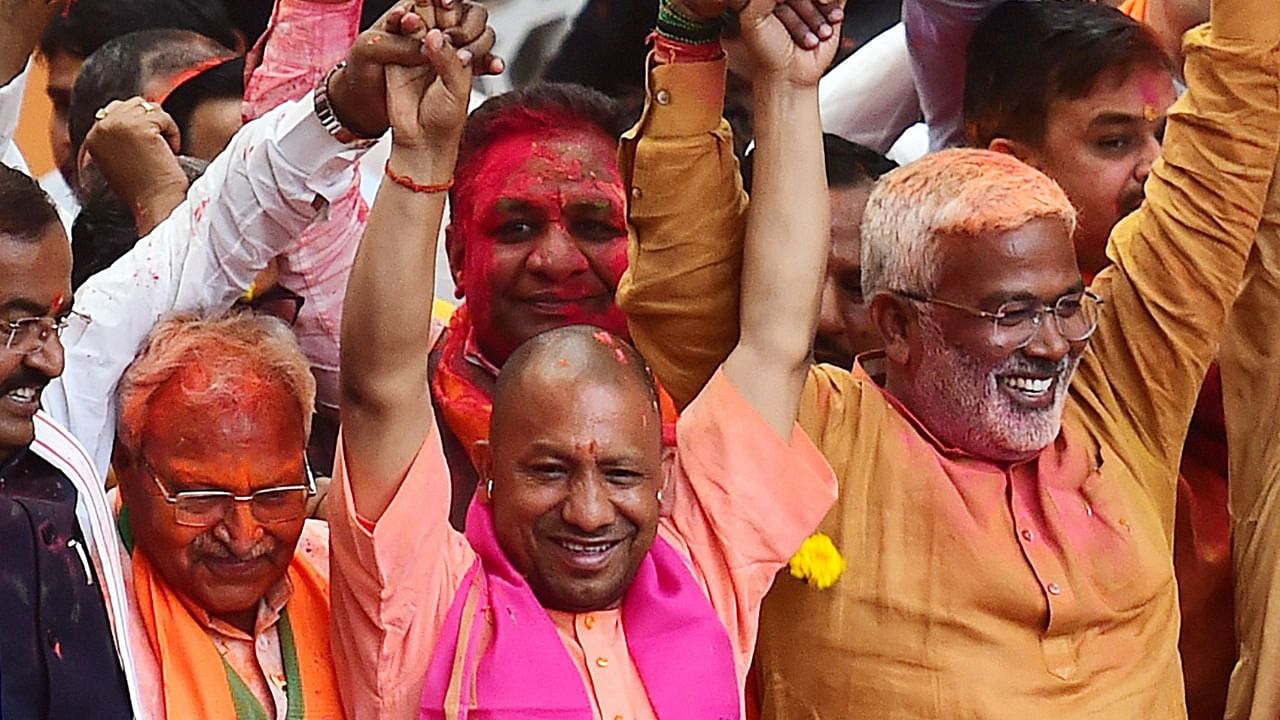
(192, 672)
(467, 407)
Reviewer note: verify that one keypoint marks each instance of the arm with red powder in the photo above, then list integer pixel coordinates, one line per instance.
(304, 40)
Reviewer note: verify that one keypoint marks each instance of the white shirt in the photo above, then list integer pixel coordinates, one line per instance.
(251, 205)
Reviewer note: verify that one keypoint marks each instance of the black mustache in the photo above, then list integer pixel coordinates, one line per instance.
(24, 377)
(1037, 367)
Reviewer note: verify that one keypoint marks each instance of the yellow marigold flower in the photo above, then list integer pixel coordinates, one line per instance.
(818, 562)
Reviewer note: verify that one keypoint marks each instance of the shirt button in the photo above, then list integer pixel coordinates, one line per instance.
(636, 193)
(663, 97)
(602, 662)
(589, 621)
(1054, 589)
(1028, 535)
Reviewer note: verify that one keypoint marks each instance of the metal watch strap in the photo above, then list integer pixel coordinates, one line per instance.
(329, 119)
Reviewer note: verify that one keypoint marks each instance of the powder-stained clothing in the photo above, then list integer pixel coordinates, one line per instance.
(1251, 393)
(739, 500)
(979, 590)
(57, 659)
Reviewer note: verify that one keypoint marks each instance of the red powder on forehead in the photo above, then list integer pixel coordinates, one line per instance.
(533, 163)
(603, 338)
(621, 356)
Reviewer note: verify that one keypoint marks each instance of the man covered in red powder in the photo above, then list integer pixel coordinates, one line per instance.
(538, 240)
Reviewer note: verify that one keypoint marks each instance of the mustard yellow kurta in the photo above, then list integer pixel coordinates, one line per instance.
(1250, 362)
(977, 590)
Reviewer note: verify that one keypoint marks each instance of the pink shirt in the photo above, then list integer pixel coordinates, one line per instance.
(740, 500)
(303, 42)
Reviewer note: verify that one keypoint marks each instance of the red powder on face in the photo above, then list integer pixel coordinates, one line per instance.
(546, 175)
(58, 299)
(603, 338)
(620, 355)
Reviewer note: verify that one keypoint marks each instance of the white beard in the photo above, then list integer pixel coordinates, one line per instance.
(959, 400)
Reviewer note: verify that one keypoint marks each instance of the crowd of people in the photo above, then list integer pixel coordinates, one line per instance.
(333, 388)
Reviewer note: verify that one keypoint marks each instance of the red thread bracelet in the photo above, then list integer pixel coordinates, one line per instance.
(407, 182)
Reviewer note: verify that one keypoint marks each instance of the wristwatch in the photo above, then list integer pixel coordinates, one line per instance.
(329, 119)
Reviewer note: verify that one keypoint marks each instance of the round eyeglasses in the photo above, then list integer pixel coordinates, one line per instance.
(1016, 323)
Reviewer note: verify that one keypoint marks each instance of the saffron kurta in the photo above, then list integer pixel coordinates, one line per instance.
(975, 590)
(740, 499)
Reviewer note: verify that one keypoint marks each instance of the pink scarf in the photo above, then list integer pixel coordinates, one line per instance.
(511, 663)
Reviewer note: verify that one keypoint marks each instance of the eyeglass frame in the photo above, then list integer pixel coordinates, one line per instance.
(52, 327)
(174, 498)
(1000, 314)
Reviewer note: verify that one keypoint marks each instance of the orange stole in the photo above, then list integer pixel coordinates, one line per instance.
(192, 671)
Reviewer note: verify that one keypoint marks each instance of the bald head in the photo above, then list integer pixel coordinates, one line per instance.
(575, 455)
(569, 359)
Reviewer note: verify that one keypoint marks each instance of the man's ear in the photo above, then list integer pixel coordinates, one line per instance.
(1018, 149)
(455, 250)
(482, 455)
(892, 317)
(122, 468)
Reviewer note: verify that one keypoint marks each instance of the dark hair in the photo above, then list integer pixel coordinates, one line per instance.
(225, 80)
(26, 211)
(105, 229)
(87, 25)
(1024, 55)
(122, 67)
(539, 108)
(848, 163)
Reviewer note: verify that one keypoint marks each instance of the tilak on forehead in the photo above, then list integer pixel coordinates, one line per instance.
(1150, 84)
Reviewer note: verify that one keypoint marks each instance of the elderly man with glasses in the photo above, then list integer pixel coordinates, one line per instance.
(228, 579)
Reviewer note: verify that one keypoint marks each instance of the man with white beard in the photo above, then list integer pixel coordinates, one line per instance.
(1007, 474)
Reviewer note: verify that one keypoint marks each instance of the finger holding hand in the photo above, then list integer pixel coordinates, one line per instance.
(475, 39)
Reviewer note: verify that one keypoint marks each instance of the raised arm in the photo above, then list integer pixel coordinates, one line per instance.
(1250, 362)
(788, 223)
(687, 212)
(1178, 261)
(276, 176)
(386, 327)
(303, 41)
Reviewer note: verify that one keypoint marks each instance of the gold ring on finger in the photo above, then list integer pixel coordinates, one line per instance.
(101, 114)
(148, 106)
